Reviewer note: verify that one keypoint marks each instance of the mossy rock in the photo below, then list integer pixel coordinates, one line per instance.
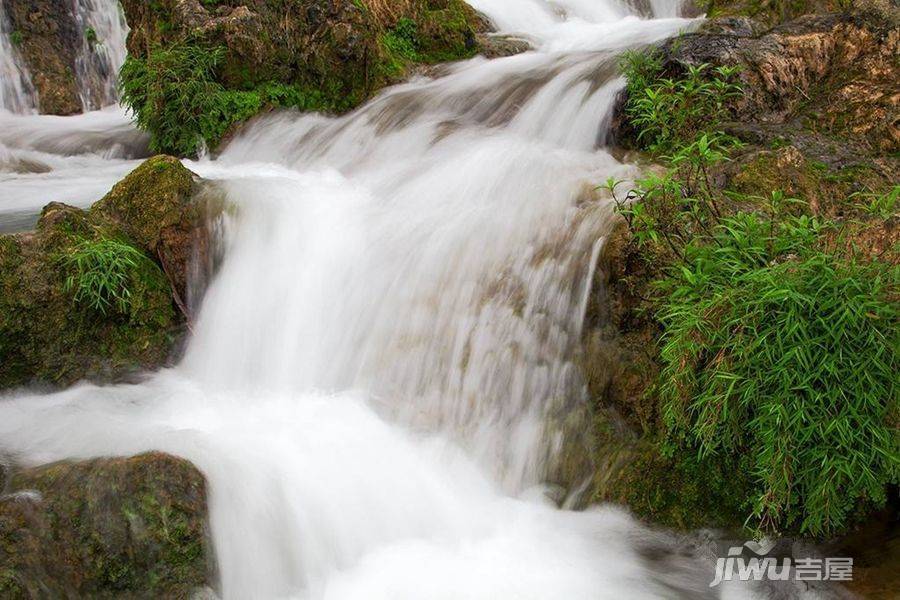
(304, 54)
(824, 187)
(48, 335)
(121, 527)
(680, 492)
(154, 206)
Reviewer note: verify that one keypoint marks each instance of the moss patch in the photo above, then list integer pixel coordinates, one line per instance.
(106, 528)
(273, 54)
(48, 335)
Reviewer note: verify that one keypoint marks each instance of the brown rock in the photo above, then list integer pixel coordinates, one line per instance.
(114, 527)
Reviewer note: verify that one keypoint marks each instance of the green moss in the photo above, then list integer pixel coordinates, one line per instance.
(107, 528)
(48, 332)
(682, 492)
(190, 87)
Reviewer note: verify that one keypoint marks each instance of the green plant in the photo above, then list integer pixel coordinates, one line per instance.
(16, 38)
(879, 205)
(175, 96)
(778, 350)
(102, 274)
(671, 112)
(640, 68)
(90, 35)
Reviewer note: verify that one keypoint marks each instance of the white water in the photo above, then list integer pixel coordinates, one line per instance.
(96, 63)
(75, 160)
(16, 91)
(373, 374)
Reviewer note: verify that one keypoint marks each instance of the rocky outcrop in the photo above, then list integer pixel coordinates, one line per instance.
(827, 82)
(143, 236)
(72, 50)
(48, 39)
(167, 226)
(340, 48)
(115, 527)
(818, 118)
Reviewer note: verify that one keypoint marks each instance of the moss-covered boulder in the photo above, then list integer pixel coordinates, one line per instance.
(106, 528)
(155, 206)
(245, 56)
(98, 294)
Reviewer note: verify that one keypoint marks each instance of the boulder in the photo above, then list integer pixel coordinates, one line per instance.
(828, 80)
(104, 528)
(52, 332)
(155, 207)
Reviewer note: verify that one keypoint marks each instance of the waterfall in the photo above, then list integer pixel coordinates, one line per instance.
(375, 380)
(102, 53)
(99, 53)
(16, 92)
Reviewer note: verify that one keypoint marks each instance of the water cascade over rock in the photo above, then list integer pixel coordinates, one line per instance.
(382, 374)
(60, 57)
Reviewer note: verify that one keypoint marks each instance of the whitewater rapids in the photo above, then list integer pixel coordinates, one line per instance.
(399, 302)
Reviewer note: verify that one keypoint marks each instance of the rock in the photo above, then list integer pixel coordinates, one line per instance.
(499, 46)
(49, 44)
(829, 77)
(154, 205)
(49, 336)
(835, 74)
(112, 527)
(336, 47)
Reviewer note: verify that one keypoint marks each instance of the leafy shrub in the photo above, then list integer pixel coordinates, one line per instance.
(641, 69)
(671, 112)
(775, 349)
(777, 352)
(104, 274)
(883, 205)
(175, 97)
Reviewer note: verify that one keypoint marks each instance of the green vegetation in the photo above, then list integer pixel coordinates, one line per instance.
(16, 38)
(190, 85)
(93, 294)
(103, 274)
(778, 340)
(91, 36)
(175, 96)
(670, 111)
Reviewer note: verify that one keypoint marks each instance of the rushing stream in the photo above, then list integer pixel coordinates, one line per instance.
(372, 374)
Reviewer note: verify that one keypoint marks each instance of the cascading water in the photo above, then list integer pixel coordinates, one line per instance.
(16, 92)
(100, 31)
(371, 382)
(104, 31)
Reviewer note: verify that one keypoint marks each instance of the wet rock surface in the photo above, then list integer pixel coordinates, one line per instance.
(48, 336)
(105, 528)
